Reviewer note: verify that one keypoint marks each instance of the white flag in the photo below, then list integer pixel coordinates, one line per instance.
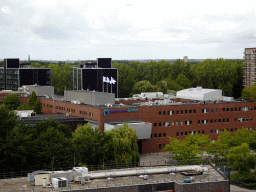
(108, 80)
(105, 79)
(113, 81)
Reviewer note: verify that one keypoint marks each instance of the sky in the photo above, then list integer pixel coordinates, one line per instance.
(126, 29)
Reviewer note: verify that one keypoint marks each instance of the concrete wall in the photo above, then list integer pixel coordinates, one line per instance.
(42, 90)
(192, 187)
(143, 130)
(203, 187)
(89, 97)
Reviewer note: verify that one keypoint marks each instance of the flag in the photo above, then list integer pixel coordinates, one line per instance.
(105, 79)
(108, 80)
(113, 81)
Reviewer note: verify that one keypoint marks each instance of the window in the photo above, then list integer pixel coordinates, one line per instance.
(227, 109)
(159, 135)
(181, 112)
(211, 110)
(173, 123)
(164, 134)
(177, 133)
(155, 124)
(181, 123)
(181, 133)
(235, 109)
(198, 132)
(245, 109)
(194, 111)
(239, 108)
(215, 120)
(159, 124)
(219, 120)
(177, 112)
(190, 111)
(227, 120)
(205, 110)
(173, 112)
(211, 121)
(215, 110)
(235, 119)
(247, 119)
(91, 114)
(186, 111)
(231, 109)
(164, 112)
(198, 122)
(217, 131)
(177, 123)
(166, 124)
(186, 133)
(250, 108)
(164, 145)
(155, 135)
(223, 120)
(211, 131)
(231, 130)
(254, 108)
(151, 136)
(223, 109)
(159, 112)
(235, 129)
(203, 132)
(250, 118)
(160, 146)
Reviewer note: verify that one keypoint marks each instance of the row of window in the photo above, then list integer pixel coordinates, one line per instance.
(165, 124)
(68, 109)
(205, 110)
(158, 135)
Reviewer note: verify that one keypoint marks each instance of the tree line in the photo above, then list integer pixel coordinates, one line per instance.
(136, 77)
(236, 148)
(51, 144)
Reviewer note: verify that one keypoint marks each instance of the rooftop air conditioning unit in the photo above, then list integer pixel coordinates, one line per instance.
(59, 182)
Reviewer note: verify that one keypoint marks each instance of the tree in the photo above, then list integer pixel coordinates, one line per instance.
(144, 86)
(240, 159)
(12, 101)
(52, 145)
(222, 145)
(125, 142)
(249, 93)
(162, 86)
(32, 99)
(188, 149)
(183, 81)
(93, 147)
(7, 124)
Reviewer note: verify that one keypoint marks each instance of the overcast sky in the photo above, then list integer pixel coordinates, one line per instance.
(126, 29)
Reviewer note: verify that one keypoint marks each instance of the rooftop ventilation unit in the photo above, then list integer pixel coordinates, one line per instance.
(59, 182)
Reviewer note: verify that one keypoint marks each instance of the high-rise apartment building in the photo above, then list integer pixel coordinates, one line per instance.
(14, 75)
(249, 66)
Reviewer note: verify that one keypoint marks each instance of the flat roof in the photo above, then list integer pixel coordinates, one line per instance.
(57, 116)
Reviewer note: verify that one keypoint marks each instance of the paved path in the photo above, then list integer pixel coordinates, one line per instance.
(159, 158)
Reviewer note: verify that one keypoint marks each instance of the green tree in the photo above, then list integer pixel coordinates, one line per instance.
(249, 93)
(32, 99)
(93, 147)
(12, 101)
(188, 149)
(144, 86)
(125, 142)
(222, 145)
(126, 79)
(183, 81)
(52, 145)
(7, 124)
(240, 159)
(163, 86)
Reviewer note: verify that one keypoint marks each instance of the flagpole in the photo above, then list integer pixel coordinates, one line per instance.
(111, 87)
(103, 86)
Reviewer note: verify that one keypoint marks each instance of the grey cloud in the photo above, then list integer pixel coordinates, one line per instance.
(49, 32)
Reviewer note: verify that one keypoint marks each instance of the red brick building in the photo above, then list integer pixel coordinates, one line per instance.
(171, 120)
